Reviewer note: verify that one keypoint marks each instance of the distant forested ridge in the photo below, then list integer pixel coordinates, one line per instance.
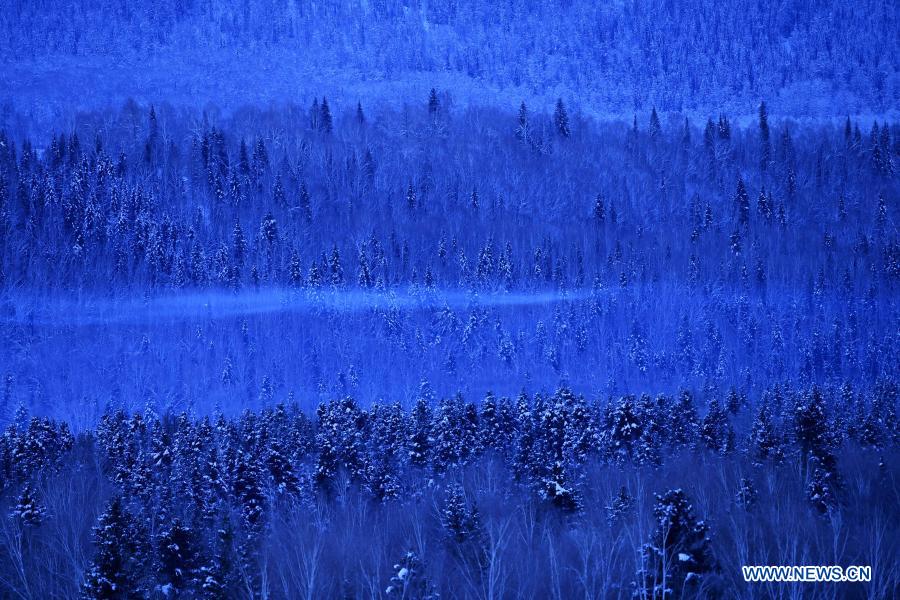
(808, 58)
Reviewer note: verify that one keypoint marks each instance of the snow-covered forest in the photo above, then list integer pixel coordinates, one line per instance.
(441, 344)
(820, 59)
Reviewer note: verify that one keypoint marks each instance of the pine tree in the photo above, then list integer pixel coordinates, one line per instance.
(247, 489)
(335, 268)
(305, 203)
(623, 430)
(522, 132)
(684, 424)
(716, 431)
(824, 484)
(561, 119)
(116, 570)
(177, 568)
(811, 427)
(28, 510)
(433, 103)
(621, 506)
(411, 201)
(742, 202)
(463, 527)
(763, 206)
(765, 155)
(679, 558)
(766, 442)
(599, 209)
(325, 123)
(219, 577)
(655, 127)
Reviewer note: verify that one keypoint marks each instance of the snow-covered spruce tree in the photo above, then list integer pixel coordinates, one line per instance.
(879, 425)
(655, 128)
(678, 562)
(464, 531)
(497, 423)
(177, 561)
(282, 473)
(118, 568)
(470, 443)
(811, 426)
(561, 119)
(682, 421)
(742, 203)
(817, 446)
(766, 443)
(248, 489)
(765, 154)
(420, 432)
(523, 455)
(522, 127)
(735, 400)
(28, 510)
(386, 450)
(220, 576)
(716, 431)
(339, 437)
(433, 103)
(824, 484)
(622, 430)
(448, 431)
(653, 430)
(556, 460)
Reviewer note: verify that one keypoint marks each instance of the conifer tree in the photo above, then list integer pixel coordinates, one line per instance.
(522, 132)
(561, 119)
(177, 568)
(433, 104)
(765, 154)
(325, 122)
(655, 127)
(27, 509)
(116, 571)
(766, 442)
(716, 431)
(679, 558)
(742, 202)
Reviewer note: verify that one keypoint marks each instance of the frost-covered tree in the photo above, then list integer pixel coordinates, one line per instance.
(561, 119)
(716, 431)
(679, 559)
(117, 569)
(28, 509)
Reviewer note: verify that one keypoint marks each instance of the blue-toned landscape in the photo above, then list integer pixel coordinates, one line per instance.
(439, 299)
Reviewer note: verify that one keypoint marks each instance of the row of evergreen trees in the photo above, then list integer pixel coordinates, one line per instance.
(177, 481)
(212, 214)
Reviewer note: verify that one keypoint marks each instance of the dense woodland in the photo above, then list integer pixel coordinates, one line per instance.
(478, 250)
(816, 58)
(537, 496)
(431, 352)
